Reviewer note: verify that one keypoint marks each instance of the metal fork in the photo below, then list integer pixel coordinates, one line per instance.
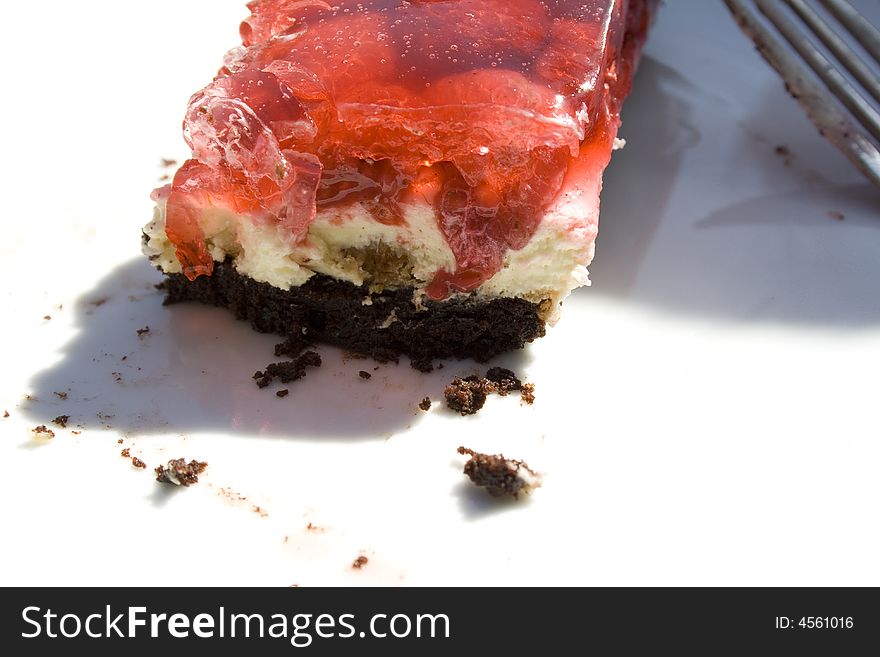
(845, 114)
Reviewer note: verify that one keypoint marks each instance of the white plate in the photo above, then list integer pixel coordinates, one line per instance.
(705, 414)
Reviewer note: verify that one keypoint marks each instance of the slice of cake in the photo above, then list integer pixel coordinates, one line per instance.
(393, 176)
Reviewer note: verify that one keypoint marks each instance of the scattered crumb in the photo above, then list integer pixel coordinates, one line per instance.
(43, 432)
(785, 153)
(232, 496)
(119, 442)
(282, 393)
(837, 215)
(60, 395)
(466, 396)
(30, 398)
(125, 453)
(143, 331)
(292, 346)
(117, 376)
(425, 404)
(5, 413)
(47, 317)
(499, 475)
(260, 511)
(99, 302)
(504, 380)
(288, 371)
(365, 375)
(61, 421)
(75, 433)
(314, 528)
(360, 562)
(180, 473)
(167, 162)
(136, 462)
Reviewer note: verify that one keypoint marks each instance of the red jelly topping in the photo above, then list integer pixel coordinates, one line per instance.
(478, 107)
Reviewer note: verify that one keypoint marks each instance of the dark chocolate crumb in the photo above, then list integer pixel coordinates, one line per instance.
(785, 153)
(291, 347)
(499, 475)
(43, 431)
(75, 433)
(168, 162)
(5, 413)
(61, 420)
(466, 396)
(117, 376)
(126, 453)
(425, 404)
(261, 379)
(143, 331)
(47, 317)
(119, 442)
(282, 393)
(136, 462)
(837, 215)
(365, 375)
(180, 473)
(504, 380)
(61, 395)
(288, 371)
(360, 562)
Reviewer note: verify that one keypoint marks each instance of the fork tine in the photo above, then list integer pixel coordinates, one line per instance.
(838, 47)
(819, 104)
(839, 86)
(861, 29)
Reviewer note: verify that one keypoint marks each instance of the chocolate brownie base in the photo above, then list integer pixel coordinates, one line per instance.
(328, 310)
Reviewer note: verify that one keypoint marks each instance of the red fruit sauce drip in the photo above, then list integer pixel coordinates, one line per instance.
(478, 107)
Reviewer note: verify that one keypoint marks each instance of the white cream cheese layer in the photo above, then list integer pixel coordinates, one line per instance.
(549, 267)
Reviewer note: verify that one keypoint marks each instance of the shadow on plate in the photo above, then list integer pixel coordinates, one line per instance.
(475, 503)
(192, 372)
(807, 258)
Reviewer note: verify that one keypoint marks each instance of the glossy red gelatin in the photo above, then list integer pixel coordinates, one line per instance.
(478, 107)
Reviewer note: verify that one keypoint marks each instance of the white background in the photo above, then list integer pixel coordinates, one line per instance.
(706, 413)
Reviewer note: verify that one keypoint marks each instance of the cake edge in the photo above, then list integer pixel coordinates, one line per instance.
(380, 325)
